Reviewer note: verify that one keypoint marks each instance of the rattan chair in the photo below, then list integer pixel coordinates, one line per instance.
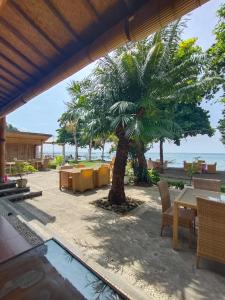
(66, 180)
(207, 184)
(79, 166)
(85, 180)
(211, 230)
(102, 176)
(186, 216)
(211, 168)
(66, 167)
(187, 166)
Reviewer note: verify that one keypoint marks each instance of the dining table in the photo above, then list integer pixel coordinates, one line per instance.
(74, 174)
(188, 199)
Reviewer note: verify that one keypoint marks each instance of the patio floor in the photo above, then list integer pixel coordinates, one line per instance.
(130, 246)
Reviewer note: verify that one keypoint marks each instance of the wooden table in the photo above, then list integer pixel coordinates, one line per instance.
(74, 173)
(187, 198)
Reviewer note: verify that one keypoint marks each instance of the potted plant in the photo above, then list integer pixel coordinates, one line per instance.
(19, 169)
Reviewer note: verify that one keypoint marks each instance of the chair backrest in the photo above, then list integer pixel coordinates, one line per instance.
(207, 184)
(164, 194)
(187, 166)
(211, 168)
(66, 167)
(86, 180)
(200, 161)
(211, 233)
(103, 176)
(150, 164)
(79, 166)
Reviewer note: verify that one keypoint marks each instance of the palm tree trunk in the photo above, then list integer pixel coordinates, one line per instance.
(90, 149)
(103, 150)
(142, 163)
(76, 146)
(117, 193)
(161, 156)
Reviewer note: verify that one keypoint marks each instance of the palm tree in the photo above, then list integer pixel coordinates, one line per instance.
(134, 80)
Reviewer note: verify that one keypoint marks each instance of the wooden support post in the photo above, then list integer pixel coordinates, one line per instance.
(2, 148)
(41, 150)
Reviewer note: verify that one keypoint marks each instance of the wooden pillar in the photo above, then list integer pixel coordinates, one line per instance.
(2, 148)
(41, 150)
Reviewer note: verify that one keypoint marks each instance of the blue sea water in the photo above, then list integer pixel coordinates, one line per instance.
(175, 159)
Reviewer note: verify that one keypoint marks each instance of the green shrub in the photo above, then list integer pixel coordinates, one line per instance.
(153, 176)
(130, 172)
(177, 184)
(223, 189)
(52, 164)
(58, 160)
(20, 168)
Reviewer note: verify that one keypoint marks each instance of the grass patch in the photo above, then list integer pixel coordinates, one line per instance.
(92, 163)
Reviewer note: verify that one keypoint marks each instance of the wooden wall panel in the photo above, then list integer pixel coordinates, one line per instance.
(20, 152)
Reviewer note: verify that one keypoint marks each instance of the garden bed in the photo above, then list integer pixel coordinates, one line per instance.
(124, 208)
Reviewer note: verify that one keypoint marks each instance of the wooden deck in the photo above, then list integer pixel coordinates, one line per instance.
(179, 174)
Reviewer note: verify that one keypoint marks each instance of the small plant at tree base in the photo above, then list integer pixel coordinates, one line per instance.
(177, 184)
(154, 176)
(130, 173)
(191, 171)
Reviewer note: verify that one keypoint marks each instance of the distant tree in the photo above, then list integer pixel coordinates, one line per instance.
(10, 127)
(216, 53)
(221, 127)
(216, 59)
(188, 119)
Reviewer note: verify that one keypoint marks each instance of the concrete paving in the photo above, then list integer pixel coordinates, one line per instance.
(130, 246)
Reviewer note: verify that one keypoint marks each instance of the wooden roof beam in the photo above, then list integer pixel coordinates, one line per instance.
(148, 19)
(15, 50)
(34, 25)
(58, 15)
(23, 39)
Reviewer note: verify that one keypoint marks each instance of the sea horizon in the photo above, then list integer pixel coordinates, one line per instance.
(175, 159)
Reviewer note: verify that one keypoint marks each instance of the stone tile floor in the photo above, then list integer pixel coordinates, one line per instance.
(129, 245)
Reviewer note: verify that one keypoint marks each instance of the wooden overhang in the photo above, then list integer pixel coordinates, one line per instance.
(44, 41)
(20, 137)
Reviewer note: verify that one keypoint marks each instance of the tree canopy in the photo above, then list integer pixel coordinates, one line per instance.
(142, 92)
(10, 127)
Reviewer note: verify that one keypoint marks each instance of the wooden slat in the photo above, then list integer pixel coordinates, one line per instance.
(24, 44)
(20, 54)
(50, 29)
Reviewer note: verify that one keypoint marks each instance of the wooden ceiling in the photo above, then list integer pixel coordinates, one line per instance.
(44, 41)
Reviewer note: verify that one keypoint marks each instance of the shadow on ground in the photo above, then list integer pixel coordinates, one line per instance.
(30, 212)
(133, 244)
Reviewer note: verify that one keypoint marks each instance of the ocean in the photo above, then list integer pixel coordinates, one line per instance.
(175, 159)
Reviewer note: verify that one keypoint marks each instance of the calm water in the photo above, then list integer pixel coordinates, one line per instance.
(175, 159)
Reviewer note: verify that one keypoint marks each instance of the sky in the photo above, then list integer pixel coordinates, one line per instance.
(42, 113)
